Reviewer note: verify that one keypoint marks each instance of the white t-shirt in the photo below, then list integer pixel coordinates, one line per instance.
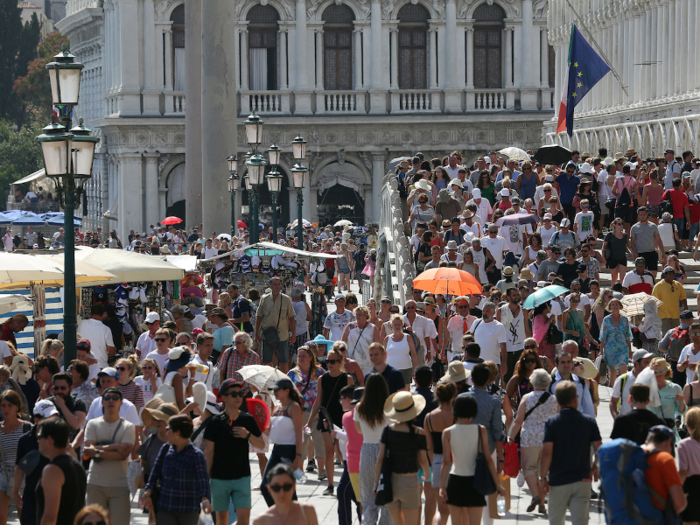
(515, 328)
(547, 234)
(210, 252)
(147, 387)
(369, 434)
(146, 344)
(336, 323)
(489, 336)
(422, 327)
(453, 172)
(158, 358)
(584, 224)
(100, 337)
(480, 261)
(666, 234)
(204, 377)
(585, 301)
(4, 351)
(624, 406)
(514, 236)
(483, 210)
(127, 411)
(687, 353)
(457, 261)
(496, 247)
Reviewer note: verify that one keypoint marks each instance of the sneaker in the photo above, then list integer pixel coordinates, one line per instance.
(328, 491)
(521, 480)
(311, 466)
(322, 476)
(338, 463)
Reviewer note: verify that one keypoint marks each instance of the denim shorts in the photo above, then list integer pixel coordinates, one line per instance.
(282, 351)
(224, 491)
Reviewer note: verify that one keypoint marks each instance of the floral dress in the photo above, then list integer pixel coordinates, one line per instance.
(616, 339)
(670, 406)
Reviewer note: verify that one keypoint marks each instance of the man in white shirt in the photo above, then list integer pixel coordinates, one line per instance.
(619, 399)
(452, 167)
(424, 329)
(479, 255)
(673, 169)
(584, 305)
(147, 340)
(8, 241)
(458, 325)
(690, 355)
(491, 336)
(209, 251)
(205, 346)
(511, 316)
(109, 378)
(515, 235)
(469, 225)
(484, 209)
(99, 335)
(495, 246)
(336, 321)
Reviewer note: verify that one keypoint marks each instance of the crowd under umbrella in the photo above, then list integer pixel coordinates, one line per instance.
(553, 154)
(450, 281)
(544, 295)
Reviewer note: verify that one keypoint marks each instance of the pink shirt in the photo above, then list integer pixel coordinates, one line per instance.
(688, 456)
(354, 442)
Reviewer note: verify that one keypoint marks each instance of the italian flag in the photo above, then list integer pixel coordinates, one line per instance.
(561, 119)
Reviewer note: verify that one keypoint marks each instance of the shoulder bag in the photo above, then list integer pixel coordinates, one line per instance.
(271, 334)
(166, 391)
(109, 441)
(483, 480)
(554, 336)
(385, 492)
(541, 401)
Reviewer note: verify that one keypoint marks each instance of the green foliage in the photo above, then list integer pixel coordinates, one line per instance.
(20, 155)
(34, 88)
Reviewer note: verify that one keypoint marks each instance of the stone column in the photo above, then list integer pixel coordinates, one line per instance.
(106, 47)
(130, 193)
(356, 58)
(163, 202)
(169, 55)
(160, 51)
(544, 58)
(369, 203)
(432, 56)
(319, 59)
(244, 56)
(451, 43)
(378, 171)
(151, 93)
(282, 45)
(509, 57)
(130, 104)
(469, 59)
(690, 28)
(394, 44)
(528, 89)
(377, 79)
(193, 114)
(218, 110)
(152, 211)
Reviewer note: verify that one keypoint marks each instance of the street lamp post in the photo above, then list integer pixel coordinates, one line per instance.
(256, 170)
(299, 175)
(234, 184)
(68, 157)
(274, 184)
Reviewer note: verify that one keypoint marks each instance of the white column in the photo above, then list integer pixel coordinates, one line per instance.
(152, 212)
(679, 54)
(303, 80)
(319, 59)
(517, 55)
(130, 193)
(356, 59)
(451, 44)
(377, 176)
(508, 56)
(130, 103)
(544, 57)
(151, 96)
(160, 65)
(116, 64)
(107, 49)
(469, 59)
(528, 39)
(690, 28)
(282, 47)
(244, 57)
(432, 55)
(369, 203)
(376, 46)
(670, 47)
(394, 43)
(169, 57)
(460, 63)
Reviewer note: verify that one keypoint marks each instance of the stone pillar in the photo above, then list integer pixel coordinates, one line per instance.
(163, 202)
(193, 115)
(160, 61)
(356, 58)
(169, 55)
(130, 104)
(319, 59)
(683, 31)
(369, 203)
(690, 28)
(470, 57)
(509, 57)
(394, 44)
(106, 48)
(377, 79)
(282, 46)
(151, 190)
(432, 56)
(544, 58)
(151, 93)
(378, 172)
(303, 68)
(452, 42)
(218, 111)
(130, 194)
(528, 89)
(244, 71)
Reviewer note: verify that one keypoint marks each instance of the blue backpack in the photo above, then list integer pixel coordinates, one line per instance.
(622, 467)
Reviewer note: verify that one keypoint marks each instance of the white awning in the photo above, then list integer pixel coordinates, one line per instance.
(34, 177)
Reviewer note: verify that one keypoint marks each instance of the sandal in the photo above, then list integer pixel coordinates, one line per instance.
(541, 509)
(534, 503)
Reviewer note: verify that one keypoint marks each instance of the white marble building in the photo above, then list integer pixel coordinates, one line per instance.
(362, 80)
(649, 43)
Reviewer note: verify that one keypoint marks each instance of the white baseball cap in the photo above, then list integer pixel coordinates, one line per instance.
(565, 223)
(476, 194)
(45, 408)
(152, 317)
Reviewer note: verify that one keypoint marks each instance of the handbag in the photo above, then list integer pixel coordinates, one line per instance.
(385, 492)
(166, 392)
(554, 336)
(271, 334)
(483, 481)
(511, 465)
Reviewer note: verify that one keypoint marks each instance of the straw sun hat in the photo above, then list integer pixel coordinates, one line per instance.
(403, 406)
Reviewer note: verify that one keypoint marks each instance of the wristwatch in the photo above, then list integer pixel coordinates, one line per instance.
(97, 454)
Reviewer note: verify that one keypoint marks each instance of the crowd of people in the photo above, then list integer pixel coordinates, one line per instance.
(419, 406)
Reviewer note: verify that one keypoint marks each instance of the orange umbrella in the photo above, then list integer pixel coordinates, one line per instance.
(447, 281)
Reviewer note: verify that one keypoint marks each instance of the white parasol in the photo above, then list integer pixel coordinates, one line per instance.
(515, 153)
(262, 377)
(634, 304)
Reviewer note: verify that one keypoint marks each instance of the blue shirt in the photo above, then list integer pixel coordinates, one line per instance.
(430, 404)
(183, 479)
(393, 377)
(567, 187)
(571, 434)
(585, 401)
(488, 414)
(223, 337)
(239, 307)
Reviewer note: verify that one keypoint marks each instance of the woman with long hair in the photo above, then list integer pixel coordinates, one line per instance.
(423, 212)
(615, 251)
(469, 266)
(11, 429)
(150, 380)
(440, 178)
(691, 391)
(599, 310)
(688, 467)
(358, 335)
(282, 484)
(130, 389)
(573, 326)
(435, 422)
(370, 422)
(534, 245)
(519, 384)
(487, 187)
(285, 432)
(616, 340)
(328, 399)
(541, 321)
(671, 395)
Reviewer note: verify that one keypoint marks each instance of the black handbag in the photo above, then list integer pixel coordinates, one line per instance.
(385, 491)
(554, 336)
(271, 335)
(438, 368)
(483, 480)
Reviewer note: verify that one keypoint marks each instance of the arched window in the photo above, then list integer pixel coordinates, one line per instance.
(337, 43)
(262, 45)
(488, 31)
(178, 27)
(413, 39)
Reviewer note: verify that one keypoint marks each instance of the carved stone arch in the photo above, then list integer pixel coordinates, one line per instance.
(172, 162)
(165, 8)
(359, 12)
(283, 9)
(431, 8)
(351, 159)
(540, 8)
(508, 6)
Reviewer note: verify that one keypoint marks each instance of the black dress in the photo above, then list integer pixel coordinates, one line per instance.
(331, 387)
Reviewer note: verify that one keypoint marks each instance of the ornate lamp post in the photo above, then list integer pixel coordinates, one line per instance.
(274, 184)
(299, 175)
(68, 157)
(234, 184)
(256, 170)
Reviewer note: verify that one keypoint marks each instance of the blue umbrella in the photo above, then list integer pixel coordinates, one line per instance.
(27, 218)
(544, 295)
(5, 219)
(53, 214)
(58, 219)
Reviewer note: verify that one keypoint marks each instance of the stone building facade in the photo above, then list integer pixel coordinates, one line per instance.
(363, 81)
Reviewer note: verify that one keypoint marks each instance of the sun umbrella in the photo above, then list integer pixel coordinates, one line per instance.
(27, 218)
(447, 281)
(634, 304)
(5, 219)
(58, 219)
(304, 223)
(395, 162)
(11, 302)
(171, 220)
(224, 236)
(518, 218)
(544, 295)
(515, 153)
(242, 224)
(553, 154)
(20, 271)
(261, 377)
(343, 223)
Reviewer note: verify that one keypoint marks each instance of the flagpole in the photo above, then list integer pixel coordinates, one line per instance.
(602, 53)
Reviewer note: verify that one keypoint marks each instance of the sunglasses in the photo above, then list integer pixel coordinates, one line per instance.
(529, 360)
(386, 302)
(114, 397)
(234, 395)
(530, 347)
(276, 488)
(577, 363)
(121, 368)
(463, 306)
(160, 339)
(82, 346)
(333, 361)
(146, 368)
(548, 191)
(393, 311)
(410, 308)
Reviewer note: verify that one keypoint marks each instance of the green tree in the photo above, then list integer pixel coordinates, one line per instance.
(17, 48)
(20, 155)
(34, 88)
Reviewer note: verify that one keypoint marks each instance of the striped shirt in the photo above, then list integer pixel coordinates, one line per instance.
(132, 391)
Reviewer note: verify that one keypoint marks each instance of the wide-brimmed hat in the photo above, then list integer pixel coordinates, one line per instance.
(404, 164)
(422, 185)
(525, 273)
(586, 168)
(630, 152)
(452, 245)
(659, 365)
(456, 182)
(164, 250)
(508, 271)
(444, 195)
(162, 413)
(177, 358)
(455, 373)
(589, 369)
(211, 405)
(403, 406)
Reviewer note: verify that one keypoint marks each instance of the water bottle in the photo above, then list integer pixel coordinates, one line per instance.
(300, 476)
(208, 520)
(501, 506)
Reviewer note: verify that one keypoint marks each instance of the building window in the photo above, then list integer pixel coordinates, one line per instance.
(262, 46)
(488, 33)
(413, 39)
(337, 47)
(178, 27)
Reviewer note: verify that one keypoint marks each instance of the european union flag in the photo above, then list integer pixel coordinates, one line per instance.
(585, 69)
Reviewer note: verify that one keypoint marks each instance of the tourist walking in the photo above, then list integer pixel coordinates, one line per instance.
(689, 466)
(285, 510)
(358, 335)
(401, 349)
(615, 340)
